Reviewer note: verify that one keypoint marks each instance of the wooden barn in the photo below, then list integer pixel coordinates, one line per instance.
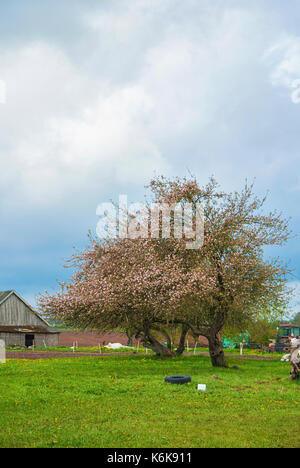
(21, 325)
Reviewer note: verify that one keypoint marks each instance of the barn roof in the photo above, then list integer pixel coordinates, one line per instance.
(4, 295)
(27, 329)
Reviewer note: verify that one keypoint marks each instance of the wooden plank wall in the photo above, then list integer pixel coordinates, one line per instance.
(40, 339)
(14, 312)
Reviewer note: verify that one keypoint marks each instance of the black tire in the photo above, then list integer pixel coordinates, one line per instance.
(178, 379)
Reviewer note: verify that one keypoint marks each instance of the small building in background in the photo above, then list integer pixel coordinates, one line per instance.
(21, 325)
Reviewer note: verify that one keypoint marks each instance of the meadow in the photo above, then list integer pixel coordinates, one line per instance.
(135, 350)
(123, 401)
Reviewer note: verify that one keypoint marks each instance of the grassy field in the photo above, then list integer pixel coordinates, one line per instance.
(123, 401)
(136, 349)
(79, 349)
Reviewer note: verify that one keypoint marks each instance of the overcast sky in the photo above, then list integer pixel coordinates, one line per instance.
(101, 95)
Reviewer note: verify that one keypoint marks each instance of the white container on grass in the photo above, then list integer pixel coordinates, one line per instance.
(202, 387)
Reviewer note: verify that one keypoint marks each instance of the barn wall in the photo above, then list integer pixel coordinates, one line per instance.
(13, 338)
(14, 312)
(51, 339)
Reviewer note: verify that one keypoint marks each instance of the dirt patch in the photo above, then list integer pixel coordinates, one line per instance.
(238, 356)
(94, 338)
(239, 388)
(59, 354)
(63, 354)
(90, 338)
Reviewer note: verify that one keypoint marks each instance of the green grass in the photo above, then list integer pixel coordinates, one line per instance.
(123, 401)
(136, 349)
(85, 349)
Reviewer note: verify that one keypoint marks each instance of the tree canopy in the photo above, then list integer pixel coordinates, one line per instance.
(150, 284)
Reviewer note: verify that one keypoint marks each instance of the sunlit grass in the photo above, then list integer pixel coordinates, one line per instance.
(124, 402)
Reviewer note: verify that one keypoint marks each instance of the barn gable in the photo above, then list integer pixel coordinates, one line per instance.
(15, 311)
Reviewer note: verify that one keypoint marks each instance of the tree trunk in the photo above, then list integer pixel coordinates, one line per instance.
(169, 342)
(216, 351)
(181, 345)
(156, 346)
(129, 336)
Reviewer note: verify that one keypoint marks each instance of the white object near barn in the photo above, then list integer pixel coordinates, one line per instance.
(116, 346)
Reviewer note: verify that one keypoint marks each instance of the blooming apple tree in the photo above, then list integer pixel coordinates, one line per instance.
(147, 285)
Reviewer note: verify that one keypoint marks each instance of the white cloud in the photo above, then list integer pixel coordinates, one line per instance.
(284, 58)
(2, 92)
(62, 130)
(155, 82)
(130, 87)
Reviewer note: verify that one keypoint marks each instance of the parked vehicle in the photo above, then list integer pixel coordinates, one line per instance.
(285, 330)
